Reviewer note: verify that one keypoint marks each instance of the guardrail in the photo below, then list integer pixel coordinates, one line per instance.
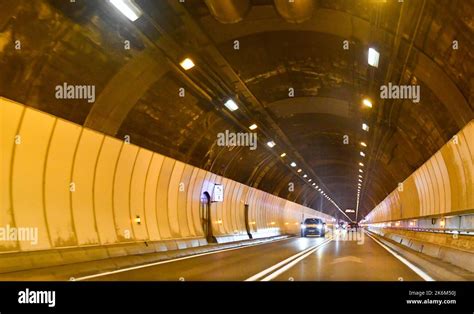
(434, 230)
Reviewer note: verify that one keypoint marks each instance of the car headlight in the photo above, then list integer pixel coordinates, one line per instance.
(319, 227)
(303, 227)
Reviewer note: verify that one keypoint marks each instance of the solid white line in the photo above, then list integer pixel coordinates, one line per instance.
(293, 263)
(171, 261)
(289, 259)
(417, 270)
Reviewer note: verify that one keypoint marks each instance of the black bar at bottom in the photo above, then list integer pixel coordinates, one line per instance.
(416, 297)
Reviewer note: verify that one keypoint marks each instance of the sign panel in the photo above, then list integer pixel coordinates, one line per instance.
(218, 193)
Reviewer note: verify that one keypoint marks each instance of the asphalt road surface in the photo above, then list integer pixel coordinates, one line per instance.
(340, 257)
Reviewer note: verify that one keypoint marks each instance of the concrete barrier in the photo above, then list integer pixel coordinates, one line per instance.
(444, 247)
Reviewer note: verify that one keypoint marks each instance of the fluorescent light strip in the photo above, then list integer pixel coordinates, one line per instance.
(127, 8)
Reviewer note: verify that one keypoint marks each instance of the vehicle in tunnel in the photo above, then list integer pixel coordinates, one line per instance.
(353, 226)
(313, 226)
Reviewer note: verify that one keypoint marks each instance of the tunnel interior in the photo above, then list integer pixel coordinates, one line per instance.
(300, 74)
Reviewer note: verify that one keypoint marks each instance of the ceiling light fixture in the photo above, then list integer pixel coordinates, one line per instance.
(366, 102)
(373, 57)
(127, 8)
(231, 105)
(187, 64)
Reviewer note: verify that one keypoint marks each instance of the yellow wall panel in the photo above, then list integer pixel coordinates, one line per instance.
(83, 179)
(27, 180)
(151, 196)
(238, 209)
(10, 118)
(57, 183)
(196, 200)
(225, 207)
(174, 215)
(456, 174)
(103, 186)
(433, 188)
(137, 194)
(162, 199)
(409, 199)
(121, 191)
(468, 167)
(192, 202)
(442, 181)
(183, 213)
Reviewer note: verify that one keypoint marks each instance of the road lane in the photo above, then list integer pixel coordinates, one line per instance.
(235, 265)
(343, 260)
(293, 259)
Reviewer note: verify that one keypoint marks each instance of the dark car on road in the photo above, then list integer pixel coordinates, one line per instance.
(313, 226)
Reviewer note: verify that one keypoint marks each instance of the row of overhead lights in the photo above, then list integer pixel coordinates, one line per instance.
(373, 60)
(133, 12)
(232, 106)
(313, 184)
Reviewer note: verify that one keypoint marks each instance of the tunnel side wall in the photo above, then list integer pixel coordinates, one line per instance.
(80, 188)
(442, 186)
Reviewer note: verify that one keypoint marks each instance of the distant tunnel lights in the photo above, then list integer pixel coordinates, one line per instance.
(293, 164)
(363, 144)
(231, 105)
(373, 57)
(127, 8)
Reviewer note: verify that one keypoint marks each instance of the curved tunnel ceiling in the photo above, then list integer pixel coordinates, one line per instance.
(134, 68)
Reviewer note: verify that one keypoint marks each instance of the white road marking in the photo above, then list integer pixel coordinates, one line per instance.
(417, 270)
(286, 261)
(294, 262)
(170, 261)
